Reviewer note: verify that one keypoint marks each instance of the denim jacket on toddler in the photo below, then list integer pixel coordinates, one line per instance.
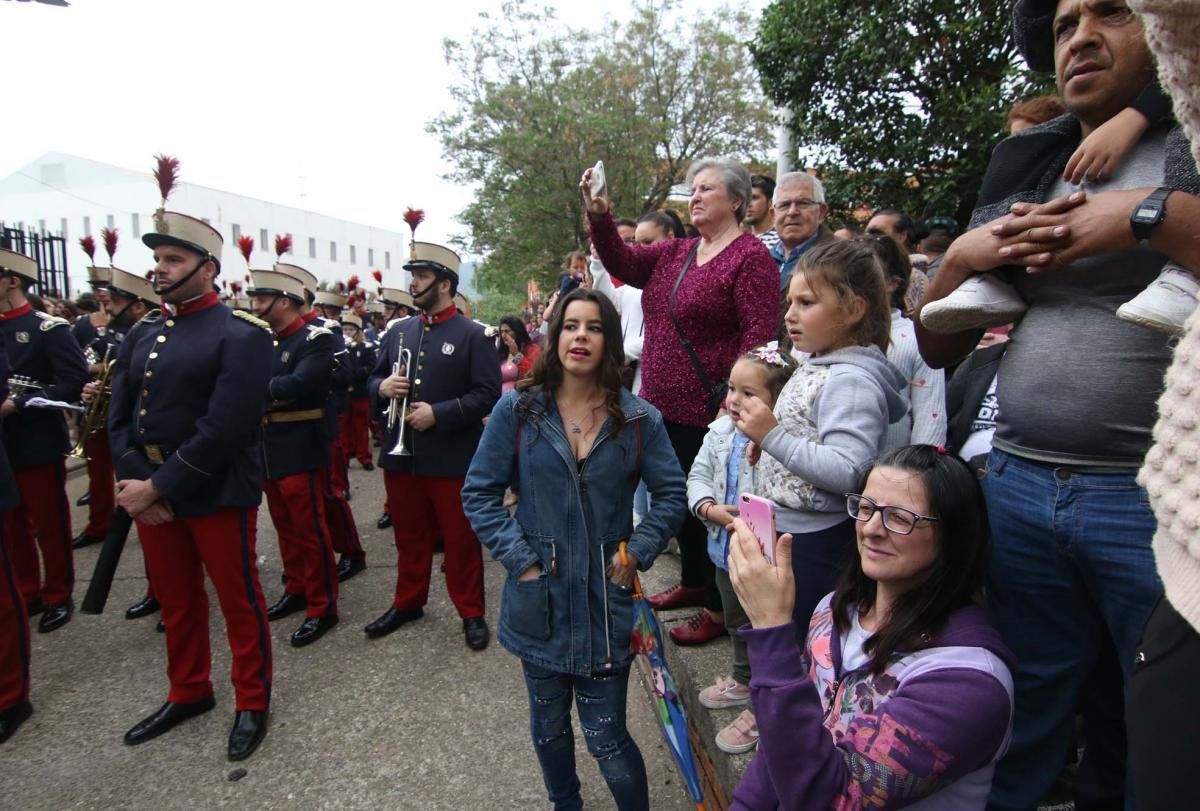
(571, 519)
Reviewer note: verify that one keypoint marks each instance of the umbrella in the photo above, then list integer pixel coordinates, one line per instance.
(648, 642)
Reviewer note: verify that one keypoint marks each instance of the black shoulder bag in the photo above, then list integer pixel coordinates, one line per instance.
(714, 393)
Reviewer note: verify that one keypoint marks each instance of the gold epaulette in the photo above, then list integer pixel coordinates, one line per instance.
(258, 322)
(151, 316)
(49, 322)
(314, 331)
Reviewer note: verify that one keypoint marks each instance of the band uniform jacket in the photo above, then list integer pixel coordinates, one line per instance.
(42, 348)
(295, 435)
(188, 393)
(362, 361)
(454, 369)
(339, 378)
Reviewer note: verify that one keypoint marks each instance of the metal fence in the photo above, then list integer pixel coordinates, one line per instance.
(48, 250)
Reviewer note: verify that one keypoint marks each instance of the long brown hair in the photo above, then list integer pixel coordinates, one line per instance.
(547, 375)
(850, 268)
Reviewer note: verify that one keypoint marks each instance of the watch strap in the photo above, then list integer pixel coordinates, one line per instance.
(1156, 202)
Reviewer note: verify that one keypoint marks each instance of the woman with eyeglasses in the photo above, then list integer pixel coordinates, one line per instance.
(902, 695)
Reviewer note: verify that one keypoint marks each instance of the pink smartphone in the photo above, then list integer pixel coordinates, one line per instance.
(759, 515)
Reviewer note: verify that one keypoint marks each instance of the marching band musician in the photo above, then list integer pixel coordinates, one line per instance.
(40, 347)
(454, 383)
(335, 481)
(130, 298)
(296, 448)
(87, 329)
(185, 425)
(355, 434)
(15, 708)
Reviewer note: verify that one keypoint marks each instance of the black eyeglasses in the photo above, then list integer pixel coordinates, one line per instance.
(895, 519)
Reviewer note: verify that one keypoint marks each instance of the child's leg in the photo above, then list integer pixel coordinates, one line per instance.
(982, 301)
(735, 617)
(1166, 303)
(817, 558)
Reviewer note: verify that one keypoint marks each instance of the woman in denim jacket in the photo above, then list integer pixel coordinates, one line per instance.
(576, 443)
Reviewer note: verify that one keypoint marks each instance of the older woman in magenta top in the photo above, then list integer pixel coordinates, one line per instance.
(726, 304)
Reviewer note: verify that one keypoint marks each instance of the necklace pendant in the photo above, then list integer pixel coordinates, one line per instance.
(575, 429)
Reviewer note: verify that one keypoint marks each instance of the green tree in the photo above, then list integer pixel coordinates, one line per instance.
(539, 103)
(897, 103)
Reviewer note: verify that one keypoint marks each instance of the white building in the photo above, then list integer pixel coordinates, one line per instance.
(76, 197)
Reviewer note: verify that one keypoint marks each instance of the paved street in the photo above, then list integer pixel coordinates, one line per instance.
(412, 721)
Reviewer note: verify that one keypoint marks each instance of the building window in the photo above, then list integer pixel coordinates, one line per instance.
(332, 251)
(387, 260)
(87, 226)
(111, 224)
(371, 256)
(63, 228)
(137, 224)
(312, 247)
(237, 231)
(262, 240)
(353, 255)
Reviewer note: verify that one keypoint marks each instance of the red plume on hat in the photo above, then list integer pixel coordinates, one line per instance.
(341, 287)
(109, 235)
(88, 244)
(352, 283)
(352, 302)
(245, 244)
(377, 275)
(414, 217)
(166, 172)
(283, 244)
(236, 287)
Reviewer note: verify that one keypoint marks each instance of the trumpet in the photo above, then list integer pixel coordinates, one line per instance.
(97, 409)
(397, 410)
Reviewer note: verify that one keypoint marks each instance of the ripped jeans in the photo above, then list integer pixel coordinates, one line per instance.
(600, 702)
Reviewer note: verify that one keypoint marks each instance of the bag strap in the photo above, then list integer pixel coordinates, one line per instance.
(709, 390)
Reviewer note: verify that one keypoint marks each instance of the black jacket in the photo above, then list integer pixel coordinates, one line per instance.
(294, 434)
(966, 391)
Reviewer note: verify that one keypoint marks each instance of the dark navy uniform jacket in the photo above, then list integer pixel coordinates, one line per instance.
(362, 361)
(454, 369)
(188, 392)
(40, 347)
(339, 379)
(85, 331)
(295, 434)
(9, 497)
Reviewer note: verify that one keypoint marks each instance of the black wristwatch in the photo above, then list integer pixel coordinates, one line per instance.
(1149, 213)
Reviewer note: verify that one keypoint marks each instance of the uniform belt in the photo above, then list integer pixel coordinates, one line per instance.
(157, 454)
(294, 416)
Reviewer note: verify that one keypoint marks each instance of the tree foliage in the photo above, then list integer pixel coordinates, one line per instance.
(898, 103)
(539, 103)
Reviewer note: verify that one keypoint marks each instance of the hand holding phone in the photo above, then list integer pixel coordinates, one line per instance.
(759, 515)
(598, 186)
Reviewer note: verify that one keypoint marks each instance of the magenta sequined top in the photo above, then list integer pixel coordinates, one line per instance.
(726, 307)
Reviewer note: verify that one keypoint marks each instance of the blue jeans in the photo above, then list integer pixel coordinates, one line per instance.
(1072, 570)
(600, 702)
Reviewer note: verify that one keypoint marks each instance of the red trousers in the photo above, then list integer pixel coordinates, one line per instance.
(14, 633)
(355, 425)
(298, 511)
(101, 484)
(339, 467)
(43, 514)
(178, 554)
(338, 516)
(424, 507)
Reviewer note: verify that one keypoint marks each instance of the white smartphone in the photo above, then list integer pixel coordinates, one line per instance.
(599, 184)
(759, 515)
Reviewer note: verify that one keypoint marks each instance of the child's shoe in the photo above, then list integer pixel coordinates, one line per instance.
(1166, 303)
(980, 302)
(739, 737)
(725, 693)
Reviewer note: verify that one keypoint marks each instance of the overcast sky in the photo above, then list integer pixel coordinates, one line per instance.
(320, 104)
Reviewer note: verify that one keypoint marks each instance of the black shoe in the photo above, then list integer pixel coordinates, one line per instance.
(385, 521)
(392, 619)
(36, 607)
(283, 578)
(142, 608)
(476, 631)
(83, 539)
(313, 629)
(161, 627)
(347, 568)
(168, 715)
(83, 500)
(12, 718)
(56, 616)
(249, 728)
(368, 466)
(346, 495)
(288, 604)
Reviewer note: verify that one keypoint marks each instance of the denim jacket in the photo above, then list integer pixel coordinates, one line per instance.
(571, 619)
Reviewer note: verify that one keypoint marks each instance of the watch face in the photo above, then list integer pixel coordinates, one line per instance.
(1145, 214)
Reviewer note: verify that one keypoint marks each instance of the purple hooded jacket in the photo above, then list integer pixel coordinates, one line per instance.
(924, 734)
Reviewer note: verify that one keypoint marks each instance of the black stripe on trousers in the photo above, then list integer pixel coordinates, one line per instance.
(313, 495)
(260, 617)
